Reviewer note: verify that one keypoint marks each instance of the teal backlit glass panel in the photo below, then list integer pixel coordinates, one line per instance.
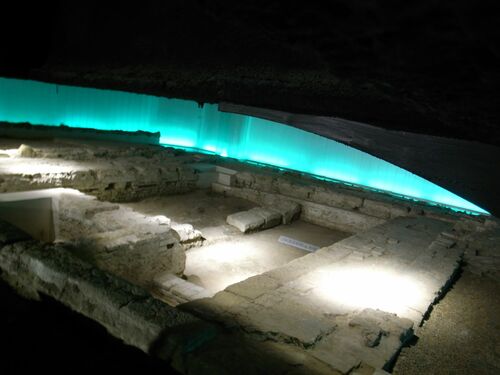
(183, 123)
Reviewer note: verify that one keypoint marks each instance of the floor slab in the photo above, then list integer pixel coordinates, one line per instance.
(218, 265)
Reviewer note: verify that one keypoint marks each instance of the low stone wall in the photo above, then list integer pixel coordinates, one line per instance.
(324, 203)
(326, 216)
(126, 311)
(117, 239)
(112, 172)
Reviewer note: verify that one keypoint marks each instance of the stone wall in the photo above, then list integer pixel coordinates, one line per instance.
(112, 172)
(126, 311)
(323, 203)
(117, 239)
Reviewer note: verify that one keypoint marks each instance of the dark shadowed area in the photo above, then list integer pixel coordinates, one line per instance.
(50, 338)
(426, 67)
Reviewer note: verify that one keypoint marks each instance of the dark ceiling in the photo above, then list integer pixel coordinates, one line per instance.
(427, 67)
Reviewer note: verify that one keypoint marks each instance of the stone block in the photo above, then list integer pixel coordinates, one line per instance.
(186, 232)
(186, 174)
(333, 198)
(334, 252)
(26, 151)
(203, 293)
(295, 190)
(222, 189)
(205, 180)
(339, 360)
(244, 179)
(265, 183)
(298, 267)
(271, 217)
(219, 308)
(187, 290)
(167, 281)
(103, 207)
(246, 221)
(225, 179)
(357, 256)
(445, 242)
(253, 287)
(369, 336)
(384, 210)
(286, 320)
(175, 259)
(337, 218)
(289, 210)
(370, 319)
(249, 194)
(226, 300)
(225, 170)
(377, 251)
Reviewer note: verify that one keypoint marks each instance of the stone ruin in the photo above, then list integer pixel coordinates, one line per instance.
(346, 308)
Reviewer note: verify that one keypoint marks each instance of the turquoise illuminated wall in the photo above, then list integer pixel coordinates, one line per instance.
(184, 123)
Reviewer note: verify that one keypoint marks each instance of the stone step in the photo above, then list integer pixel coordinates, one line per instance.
(175, 290)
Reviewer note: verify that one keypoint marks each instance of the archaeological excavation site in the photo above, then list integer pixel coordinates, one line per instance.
(171, 217)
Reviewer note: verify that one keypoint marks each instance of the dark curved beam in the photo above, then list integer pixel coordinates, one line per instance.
(468, 169)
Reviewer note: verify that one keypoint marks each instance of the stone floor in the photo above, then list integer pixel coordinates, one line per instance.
(218, 265)
(340, 303)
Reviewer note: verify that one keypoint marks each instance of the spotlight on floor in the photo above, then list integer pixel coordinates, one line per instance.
(369, 287)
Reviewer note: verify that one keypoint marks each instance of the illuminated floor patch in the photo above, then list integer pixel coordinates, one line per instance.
(183, 123)
(354, 301)
(224, 263)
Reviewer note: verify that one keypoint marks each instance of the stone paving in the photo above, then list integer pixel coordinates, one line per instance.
(312, 302)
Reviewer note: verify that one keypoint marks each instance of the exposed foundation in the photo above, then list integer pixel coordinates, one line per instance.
(207, 262)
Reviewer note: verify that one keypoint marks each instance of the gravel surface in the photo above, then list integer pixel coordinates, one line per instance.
(462, 335)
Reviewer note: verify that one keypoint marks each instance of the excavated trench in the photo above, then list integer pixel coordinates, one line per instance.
(233, 254)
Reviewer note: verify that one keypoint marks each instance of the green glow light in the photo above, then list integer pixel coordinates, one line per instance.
(183, 142)
(183, 123)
